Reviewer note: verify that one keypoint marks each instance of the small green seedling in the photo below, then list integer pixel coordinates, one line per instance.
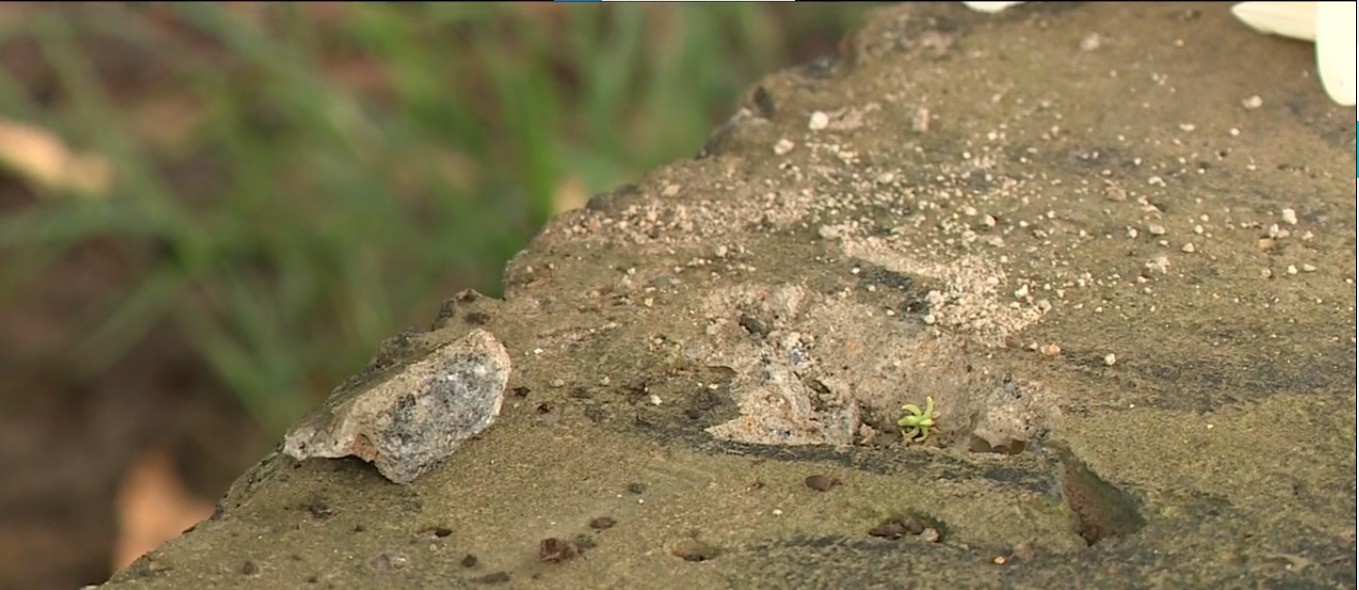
(915, 425)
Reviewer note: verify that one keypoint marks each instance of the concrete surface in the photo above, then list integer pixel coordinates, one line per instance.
(1127, 286)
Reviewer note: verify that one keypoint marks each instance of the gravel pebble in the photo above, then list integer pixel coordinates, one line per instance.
(820, 483)
(818, 121)
(694, 550)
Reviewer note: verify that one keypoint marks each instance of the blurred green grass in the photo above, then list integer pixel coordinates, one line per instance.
(296, 182)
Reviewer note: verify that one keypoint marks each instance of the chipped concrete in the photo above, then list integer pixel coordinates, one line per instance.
(990, 210)
(407, 423)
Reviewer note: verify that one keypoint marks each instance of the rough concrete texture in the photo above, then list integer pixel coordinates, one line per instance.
(1127, 284)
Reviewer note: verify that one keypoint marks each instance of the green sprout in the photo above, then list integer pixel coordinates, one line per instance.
(915, 425)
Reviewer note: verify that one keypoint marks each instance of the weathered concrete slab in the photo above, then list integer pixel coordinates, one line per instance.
(1129, 295)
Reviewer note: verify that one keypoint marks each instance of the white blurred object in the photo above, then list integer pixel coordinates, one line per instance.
(1331, 25)
(1336, 47)
(1290, 19)
(990, 6)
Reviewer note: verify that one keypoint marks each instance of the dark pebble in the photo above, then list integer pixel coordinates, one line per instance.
(898, 527)
(602, 522)
(694, 550)
(888, 530)
(495, 578)
(249, 568)
(752, 325)
(637, 487)
(913, 525)
(318, 507)
(554, 550)
(469, 560)
(821, 483)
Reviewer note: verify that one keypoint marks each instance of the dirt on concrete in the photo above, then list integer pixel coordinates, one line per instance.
(1113, 244)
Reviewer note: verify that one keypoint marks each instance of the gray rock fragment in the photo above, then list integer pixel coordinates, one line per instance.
(408, 422)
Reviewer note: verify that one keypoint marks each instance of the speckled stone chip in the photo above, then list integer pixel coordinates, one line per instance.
(408, 423)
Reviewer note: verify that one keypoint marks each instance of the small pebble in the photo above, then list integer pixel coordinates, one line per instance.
(389, 561)
(1161, 264)
(469, 560)
(554, 550)
(602, 522)
(1188, 248)
(1289, 216)
(492, 578)
(896, 528)
(1050, 350)
(921, 122)
(783, 147)
(1110, 359)
(818, 121)
(694, 550)
(1156, 229)
(1308, 268)
(1292, 269)
(1253, 102)
(821, 483)
(1264, 244)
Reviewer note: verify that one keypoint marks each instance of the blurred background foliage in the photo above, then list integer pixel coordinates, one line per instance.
(285, 185)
